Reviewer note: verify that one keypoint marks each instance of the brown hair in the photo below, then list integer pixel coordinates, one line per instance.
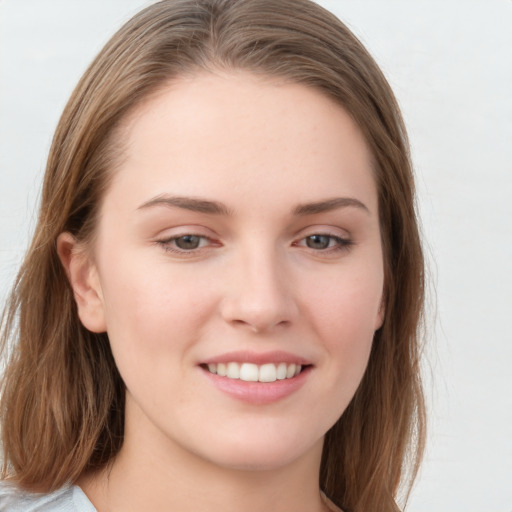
(62, 405)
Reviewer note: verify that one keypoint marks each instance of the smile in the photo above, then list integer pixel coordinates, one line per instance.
(250, 372)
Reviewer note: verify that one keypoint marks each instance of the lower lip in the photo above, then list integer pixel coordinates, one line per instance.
(259, 393)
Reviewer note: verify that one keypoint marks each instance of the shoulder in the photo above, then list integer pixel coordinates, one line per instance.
(66, 499)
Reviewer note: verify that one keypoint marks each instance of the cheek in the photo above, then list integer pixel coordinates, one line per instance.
(350, 303)
(346, 315)
(151, 312)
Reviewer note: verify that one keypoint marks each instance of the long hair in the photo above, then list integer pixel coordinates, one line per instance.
(62, 403)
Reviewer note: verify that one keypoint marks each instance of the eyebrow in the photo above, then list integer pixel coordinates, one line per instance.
(216, 208)
(329, 205)
(188, 203)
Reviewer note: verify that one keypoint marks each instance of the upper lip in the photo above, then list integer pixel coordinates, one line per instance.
(241, 356)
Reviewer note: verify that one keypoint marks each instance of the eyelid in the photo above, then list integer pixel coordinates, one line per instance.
(341, 240)
(167, 243)
(344, 240)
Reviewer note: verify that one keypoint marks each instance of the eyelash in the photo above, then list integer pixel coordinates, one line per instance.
(340, 244)
(169, 244)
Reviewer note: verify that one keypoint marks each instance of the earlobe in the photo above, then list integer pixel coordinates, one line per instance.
(84, 280)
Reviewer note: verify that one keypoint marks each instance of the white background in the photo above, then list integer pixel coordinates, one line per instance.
(450, 64)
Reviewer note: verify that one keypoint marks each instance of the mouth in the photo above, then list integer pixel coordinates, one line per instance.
(250, 372)
(257, 378)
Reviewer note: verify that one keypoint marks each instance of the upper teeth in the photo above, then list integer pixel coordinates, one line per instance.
(250, 372)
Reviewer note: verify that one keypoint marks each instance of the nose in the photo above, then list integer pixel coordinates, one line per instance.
(259, 297)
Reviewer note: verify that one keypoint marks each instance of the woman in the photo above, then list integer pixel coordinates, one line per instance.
(221, 302)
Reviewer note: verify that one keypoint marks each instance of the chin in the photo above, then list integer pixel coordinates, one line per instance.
(265, 455)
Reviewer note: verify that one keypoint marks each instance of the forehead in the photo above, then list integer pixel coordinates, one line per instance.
(220, 133)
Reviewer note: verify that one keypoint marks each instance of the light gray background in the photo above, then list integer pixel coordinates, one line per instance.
(450, 64)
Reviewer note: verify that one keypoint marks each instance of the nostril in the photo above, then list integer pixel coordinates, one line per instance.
(260, 326)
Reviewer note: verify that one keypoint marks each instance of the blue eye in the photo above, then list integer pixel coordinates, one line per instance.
(319, 241)
(184, 244)
(324, 242)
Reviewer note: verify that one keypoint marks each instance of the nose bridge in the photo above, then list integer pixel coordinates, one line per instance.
(259, 296)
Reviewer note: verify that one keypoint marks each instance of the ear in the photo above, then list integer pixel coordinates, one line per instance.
(84, 279)
(381, 314)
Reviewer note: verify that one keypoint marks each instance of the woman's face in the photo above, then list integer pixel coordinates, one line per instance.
(240, 234)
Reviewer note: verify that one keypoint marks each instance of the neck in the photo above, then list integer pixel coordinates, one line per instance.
(149, 474)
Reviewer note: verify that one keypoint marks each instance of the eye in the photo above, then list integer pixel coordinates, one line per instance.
(188, 242)
(324, 242)
(319, 241)
(184, 244)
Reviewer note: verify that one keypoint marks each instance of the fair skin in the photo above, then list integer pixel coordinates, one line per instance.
(241, 227)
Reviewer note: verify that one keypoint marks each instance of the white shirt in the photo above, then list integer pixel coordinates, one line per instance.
(66, 499)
